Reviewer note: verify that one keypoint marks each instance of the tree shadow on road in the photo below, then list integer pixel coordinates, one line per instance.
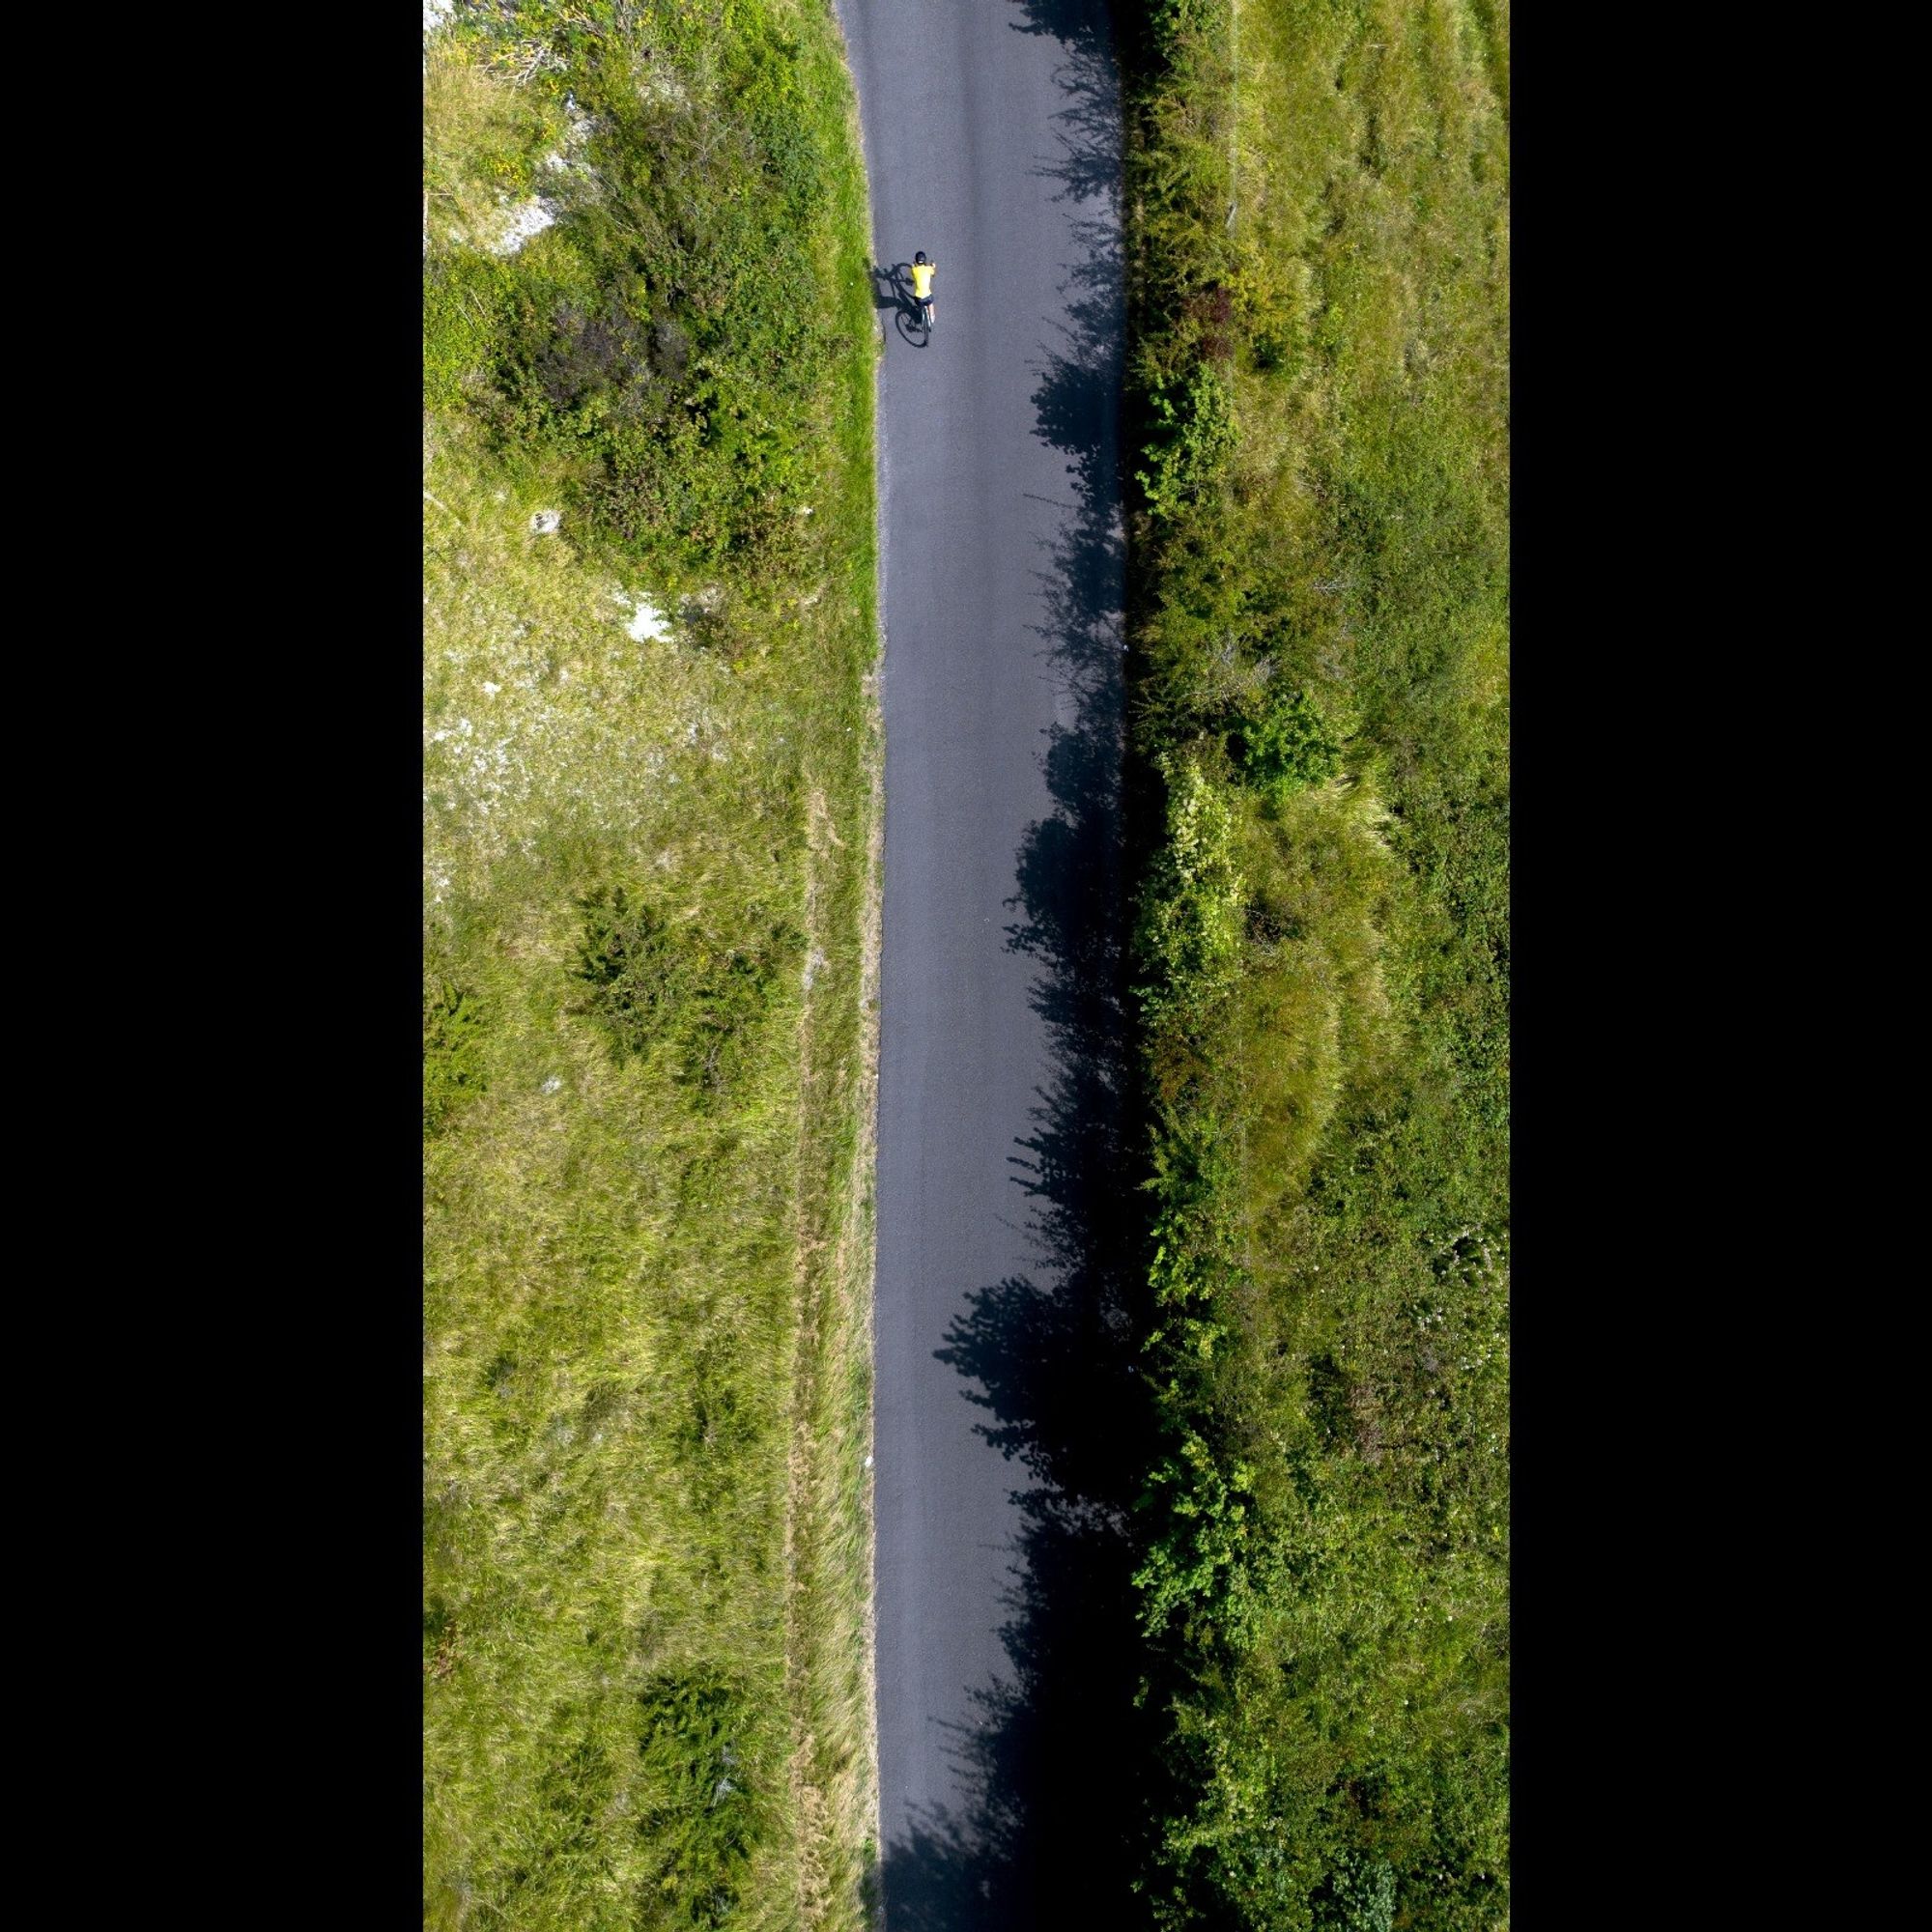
(1048, 1838)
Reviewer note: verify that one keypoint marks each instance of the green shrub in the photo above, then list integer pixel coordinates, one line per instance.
(1285, 746)
(463, 302)
(638, 971)
(703, 996)
(729, 1009)
(1194, 431)
(1172, 19)
(1198, 1511)
(453, 1069)
(701, 1823)
(1360, 1896)
(1189, 937)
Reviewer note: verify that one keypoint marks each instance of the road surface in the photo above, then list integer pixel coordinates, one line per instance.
(991, 132)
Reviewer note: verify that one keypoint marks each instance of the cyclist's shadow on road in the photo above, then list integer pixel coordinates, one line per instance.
(891, 288)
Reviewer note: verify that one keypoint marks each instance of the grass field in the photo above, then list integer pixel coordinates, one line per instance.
(649, 834)
(1319, 199)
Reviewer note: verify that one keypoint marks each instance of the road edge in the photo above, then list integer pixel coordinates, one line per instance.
(830, 1638)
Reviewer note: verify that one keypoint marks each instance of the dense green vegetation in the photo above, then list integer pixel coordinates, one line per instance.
(1317, 205)
(650, 754)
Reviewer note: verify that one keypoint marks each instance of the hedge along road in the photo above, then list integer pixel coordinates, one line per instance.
(1003, 1424)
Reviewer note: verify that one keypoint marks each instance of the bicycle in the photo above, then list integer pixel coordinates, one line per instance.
(919, 311)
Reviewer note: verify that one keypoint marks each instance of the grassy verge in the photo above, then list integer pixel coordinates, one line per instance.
(1318, 210)
(651, 825)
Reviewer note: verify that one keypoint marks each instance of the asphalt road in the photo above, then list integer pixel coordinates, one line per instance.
(991, 132)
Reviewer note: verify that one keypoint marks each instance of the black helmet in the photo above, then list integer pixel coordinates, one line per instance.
(920, 256)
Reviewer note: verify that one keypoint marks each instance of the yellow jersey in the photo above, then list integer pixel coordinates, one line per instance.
(921, 278)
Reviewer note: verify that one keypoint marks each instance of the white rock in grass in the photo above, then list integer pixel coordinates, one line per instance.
(578, 128)
(524, 220)
(551, 1085)
(647, 623)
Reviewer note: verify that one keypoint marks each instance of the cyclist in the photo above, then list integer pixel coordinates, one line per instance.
(922, 284)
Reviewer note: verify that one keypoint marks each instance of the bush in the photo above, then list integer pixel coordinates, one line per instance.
(452, 1053)
(1201, 1513)
(462, 313)
(1285, 747)
(596, 357)
(1189, 937)
(638, 970)
(700, 1829)
(702, 995)
(1360, 1896)
(1194, 431)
